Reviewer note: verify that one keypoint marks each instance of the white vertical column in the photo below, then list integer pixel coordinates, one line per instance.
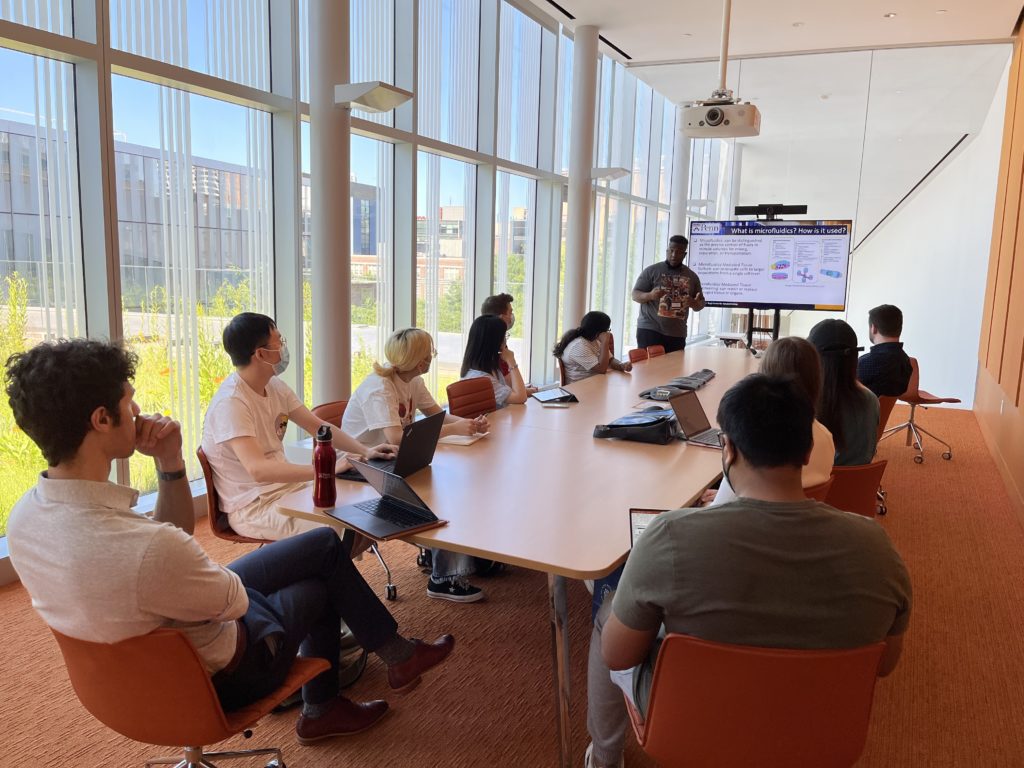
(581, 163)
(330, 160)
(680, 180)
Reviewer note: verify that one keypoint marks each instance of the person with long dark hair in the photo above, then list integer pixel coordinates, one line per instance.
(846, 407)
(587, 350)
(796, 358)
(485, 349)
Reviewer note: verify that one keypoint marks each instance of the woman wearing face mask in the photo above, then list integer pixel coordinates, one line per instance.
(244, 428)
(382, 406)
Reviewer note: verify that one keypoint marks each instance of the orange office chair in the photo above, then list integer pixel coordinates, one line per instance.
(154, 689)
(331, 412)
(655, 350)
(915, 396)
(219, 524)
(470, 398)
(562, 378)
(855, 489)
(637, 355)
(885, 406)
(715, 705)
(818, 492)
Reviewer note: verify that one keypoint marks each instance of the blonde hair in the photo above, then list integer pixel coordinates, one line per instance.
(404, 350)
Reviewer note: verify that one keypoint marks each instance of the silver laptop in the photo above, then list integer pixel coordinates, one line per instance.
(399, 511)
(693, 421)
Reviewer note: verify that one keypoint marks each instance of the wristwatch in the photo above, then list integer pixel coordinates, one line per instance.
(176, 475)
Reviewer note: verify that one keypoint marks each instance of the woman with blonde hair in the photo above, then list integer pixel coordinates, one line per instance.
(797, 358)
(383, 405)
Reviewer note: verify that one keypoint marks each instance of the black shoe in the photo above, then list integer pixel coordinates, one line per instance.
(458, 590)
(486, 568)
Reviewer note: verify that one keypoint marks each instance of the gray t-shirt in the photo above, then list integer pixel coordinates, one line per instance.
(666, 316)
(770, 574)
(860, 431)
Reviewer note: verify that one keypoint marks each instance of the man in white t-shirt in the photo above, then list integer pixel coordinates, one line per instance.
(245, 426)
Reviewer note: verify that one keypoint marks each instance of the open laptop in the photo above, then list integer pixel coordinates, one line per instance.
(693, 421)
(639, 519)
(416, 451)
(399, 511)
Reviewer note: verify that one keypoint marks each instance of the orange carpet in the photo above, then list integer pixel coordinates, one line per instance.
(956, 699)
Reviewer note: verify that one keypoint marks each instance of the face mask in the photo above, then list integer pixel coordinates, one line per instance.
(281, 365)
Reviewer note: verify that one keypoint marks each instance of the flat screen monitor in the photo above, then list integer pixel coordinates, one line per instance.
(772, 264)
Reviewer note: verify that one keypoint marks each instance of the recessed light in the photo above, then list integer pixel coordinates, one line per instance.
(942, 10)
(824, 96)
(798, 24)
(687, 34)
(888, 15)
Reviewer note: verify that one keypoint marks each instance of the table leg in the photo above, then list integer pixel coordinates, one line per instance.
(560, 657)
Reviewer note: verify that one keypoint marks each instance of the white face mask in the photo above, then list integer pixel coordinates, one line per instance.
(282, 364)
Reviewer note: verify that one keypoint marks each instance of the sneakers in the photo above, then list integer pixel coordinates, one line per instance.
(588, 758)
(458, 590)
(344, 718)
(406, 675)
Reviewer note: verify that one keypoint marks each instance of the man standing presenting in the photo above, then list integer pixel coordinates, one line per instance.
(886, 369)
(666, 292)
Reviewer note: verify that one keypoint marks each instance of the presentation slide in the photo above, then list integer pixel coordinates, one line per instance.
(772, 264)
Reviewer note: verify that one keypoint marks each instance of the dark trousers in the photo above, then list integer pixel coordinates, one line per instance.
(648, 338)
(307, 583)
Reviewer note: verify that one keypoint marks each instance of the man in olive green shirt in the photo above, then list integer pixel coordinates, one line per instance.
(771, 569)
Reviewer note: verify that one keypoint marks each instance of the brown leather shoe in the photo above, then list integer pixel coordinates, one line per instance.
(405, 676)
(344, 718)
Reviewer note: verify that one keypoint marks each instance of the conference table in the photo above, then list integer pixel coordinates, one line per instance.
(540, 492)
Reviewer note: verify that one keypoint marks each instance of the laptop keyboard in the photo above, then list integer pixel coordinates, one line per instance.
(391, 512)
(707, 438)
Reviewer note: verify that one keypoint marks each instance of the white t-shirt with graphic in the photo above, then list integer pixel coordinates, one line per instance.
(238, 411)
(381, 402)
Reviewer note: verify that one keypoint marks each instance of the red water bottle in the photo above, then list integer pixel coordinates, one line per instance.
(325, 492)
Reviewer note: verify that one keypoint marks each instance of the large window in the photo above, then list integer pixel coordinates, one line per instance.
(449, 47)
(518, 86)
(445, 195)
(514, 214)
(41, 269)
(194, 220)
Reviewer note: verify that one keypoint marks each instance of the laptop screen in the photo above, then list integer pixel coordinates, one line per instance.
(391, 486)
(690, 414)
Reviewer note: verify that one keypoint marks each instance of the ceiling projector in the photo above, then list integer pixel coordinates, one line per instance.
(722, 120)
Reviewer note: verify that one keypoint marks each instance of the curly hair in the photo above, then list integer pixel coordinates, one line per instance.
(54, 388)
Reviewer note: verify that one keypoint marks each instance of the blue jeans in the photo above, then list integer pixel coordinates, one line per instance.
(300, 588)
(448, 565)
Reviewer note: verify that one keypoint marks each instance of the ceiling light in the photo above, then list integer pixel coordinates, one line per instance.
(798, 24)
(941, 10)
(373, 96)
(888, 15)
(609, 174)
(687, 34)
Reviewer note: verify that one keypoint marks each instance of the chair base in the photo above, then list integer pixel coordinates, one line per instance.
(194, 757)
(390, 590)
(914, 432)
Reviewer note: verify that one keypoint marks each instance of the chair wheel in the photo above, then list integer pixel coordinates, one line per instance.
(391, 592)
(919, 459)
(947, 455)
(425, 560)
(275, 763)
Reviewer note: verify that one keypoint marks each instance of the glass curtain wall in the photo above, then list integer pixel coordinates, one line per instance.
(204, 121)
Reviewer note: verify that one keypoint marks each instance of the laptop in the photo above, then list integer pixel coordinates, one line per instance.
(398, 512)
(416, 450)
(639, 519)
(693, 421)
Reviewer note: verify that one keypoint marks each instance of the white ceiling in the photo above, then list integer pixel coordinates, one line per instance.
(849, 132)
(675, 30)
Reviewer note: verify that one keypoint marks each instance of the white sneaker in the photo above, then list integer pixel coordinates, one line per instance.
(588, 758)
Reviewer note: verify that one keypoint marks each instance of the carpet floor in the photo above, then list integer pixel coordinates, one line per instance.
(957, 698)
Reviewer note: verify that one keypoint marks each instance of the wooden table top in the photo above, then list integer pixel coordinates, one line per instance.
(541, 492)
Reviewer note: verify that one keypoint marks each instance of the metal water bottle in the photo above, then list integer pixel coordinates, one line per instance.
(325, 492)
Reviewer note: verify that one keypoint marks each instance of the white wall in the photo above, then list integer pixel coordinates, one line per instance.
(930, 258)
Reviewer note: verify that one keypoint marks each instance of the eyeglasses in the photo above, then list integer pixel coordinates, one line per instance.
(284, 343)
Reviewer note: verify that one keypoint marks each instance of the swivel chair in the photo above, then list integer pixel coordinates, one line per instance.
(914, 397)
(470, 398)
(155, 689)
(715, 705)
